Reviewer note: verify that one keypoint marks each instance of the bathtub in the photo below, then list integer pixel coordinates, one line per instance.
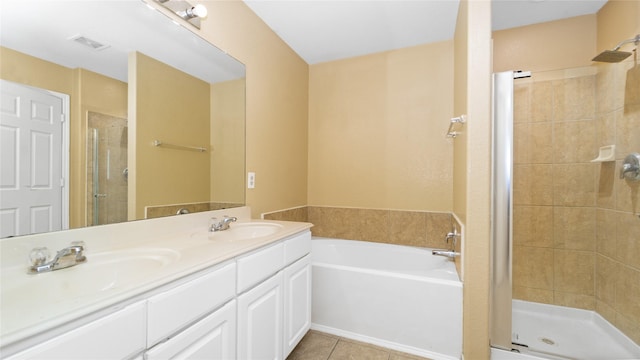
(398, 297)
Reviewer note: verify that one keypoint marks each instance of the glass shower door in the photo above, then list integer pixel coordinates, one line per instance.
(106, 169)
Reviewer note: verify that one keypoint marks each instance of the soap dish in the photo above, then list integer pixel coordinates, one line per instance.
(607, 153)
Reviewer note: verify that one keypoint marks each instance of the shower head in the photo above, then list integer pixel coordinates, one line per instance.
(615, 55)
(611, 56)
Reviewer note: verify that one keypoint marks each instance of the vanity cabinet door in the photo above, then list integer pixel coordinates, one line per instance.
(297, 302)
(260, 321)
(120, 335)
(212, 338)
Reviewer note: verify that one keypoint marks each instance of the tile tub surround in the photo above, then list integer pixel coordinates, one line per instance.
(157, 211)
(398, 227)
(412, 228)
(25, 317)
(576, 229)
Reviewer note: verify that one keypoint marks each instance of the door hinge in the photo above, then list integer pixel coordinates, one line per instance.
(62, 117)
(61, 182)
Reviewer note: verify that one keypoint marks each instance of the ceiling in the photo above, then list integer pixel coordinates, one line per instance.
(122, 26)
(326, 30)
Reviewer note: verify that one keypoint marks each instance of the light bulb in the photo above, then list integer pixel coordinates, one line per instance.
(198, 10)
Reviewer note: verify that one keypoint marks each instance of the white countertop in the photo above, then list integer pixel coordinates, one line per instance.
(32, 304)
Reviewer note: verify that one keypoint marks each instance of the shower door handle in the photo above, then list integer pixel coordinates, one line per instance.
(99, 195)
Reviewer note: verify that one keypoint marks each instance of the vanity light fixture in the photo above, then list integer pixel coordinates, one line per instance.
(192, 14)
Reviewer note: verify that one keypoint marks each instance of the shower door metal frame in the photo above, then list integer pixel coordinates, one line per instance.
(501, 210)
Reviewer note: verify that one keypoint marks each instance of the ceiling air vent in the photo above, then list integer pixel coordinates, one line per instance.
(95, 45)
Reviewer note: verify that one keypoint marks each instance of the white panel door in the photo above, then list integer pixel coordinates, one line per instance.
(31, 176)
(260, 321)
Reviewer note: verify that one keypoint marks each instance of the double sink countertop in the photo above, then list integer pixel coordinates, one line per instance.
(124, 261)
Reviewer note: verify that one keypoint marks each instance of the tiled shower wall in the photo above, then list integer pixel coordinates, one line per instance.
(576, 228)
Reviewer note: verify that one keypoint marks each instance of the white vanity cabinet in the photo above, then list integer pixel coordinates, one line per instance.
(120, 335)
(260, 321)
(274, 315)
(176, 308)
(297, 302)
(212, 338)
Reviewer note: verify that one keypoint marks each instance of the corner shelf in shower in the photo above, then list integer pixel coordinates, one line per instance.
(606, 153)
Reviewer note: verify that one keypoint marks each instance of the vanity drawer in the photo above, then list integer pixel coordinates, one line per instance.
(297, 247)
(124, 329)
(176, 308)
(259, 266)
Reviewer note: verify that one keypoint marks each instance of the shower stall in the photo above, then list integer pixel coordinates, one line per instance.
(107, 171)
(566, 229)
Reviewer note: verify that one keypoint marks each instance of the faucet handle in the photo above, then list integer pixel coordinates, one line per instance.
(39, 256)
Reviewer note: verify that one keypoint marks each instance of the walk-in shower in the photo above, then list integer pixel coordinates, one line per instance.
(566, 269)
(107, 172)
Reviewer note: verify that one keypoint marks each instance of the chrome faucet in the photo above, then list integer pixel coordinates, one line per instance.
(67, 257)
(451, 252)
(222, 224)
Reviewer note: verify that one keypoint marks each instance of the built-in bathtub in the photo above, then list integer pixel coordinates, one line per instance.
(399, 297)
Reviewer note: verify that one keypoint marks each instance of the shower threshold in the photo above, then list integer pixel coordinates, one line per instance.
(551, 332)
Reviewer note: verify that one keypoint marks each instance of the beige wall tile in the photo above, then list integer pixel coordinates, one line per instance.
(542, 102)
(300, 214)
(438, 226)
(574, 184)
(628, 239)
(627, 130)
(533, 225)
(574, 271)
(606, 185)
(606, 88)
(331, 222)
(574, 99)
(574, 141)
(533, 185)
(606, 279)
(587, 302)
(532, 294)
(521, 103)
(628, 293)
(408, 228)
(606, 230)
(606, 311)
(632, 85)
(627, 193)
(541, 145)
(574, 228)
(533, 267)
(521, 140)
(371, 225)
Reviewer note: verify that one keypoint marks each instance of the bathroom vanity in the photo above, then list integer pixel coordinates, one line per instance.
(160, 289)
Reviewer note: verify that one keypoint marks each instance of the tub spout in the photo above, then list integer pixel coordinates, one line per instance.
(447, 253)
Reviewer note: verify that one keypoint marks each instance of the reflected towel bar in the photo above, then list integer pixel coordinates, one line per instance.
(456, 122)
(182, 147)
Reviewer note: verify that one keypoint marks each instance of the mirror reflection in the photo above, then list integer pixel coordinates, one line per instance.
(112, 111)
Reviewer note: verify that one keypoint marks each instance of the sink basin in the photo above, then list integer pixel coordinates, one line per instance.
(254, 229)
(244, 231)
(102, 271)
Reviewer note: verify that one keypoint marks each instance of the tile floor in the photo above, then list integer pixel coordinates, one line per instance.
(322, 346)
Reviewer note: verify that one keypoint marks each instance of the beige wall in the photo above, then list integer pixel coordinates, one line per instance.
(472, 169)
(376, 130)
(277, 102)
(618, 20)
(172, 107)
(548, 46)
(228, 141)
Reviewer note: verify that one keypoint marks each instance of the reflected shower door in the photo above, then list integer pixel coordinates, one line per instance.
(106, 169)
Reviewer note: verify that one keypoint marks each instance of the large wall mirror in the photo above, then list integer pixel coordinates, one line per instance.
(113, 111)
